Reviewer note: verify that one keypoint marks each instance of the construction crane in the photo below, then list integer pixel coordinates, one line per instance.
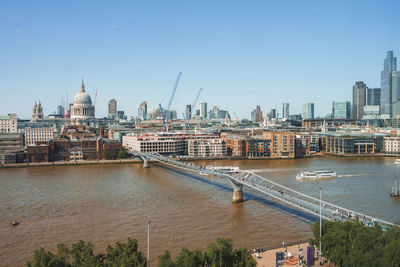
(195, 101)
(164, 112)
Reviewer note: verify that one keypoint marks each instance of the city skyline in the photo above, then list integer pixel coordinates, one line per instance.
(264, 52)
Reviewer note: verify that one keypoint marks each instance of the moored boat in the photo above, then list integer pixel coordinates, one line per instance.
(397, 161)
(315, 174)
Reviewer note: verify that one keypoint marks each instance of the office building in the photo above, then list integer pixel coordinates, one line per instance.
(372, 103)
(8, 124)
(273, 113)
(308, 111)
(341, 110)
(257, 115)
(389, 65)
(396, 94)
(188, 112)
(285, 110)
(112, 107)
(203, 110)
(341, 144)
(359, 97)
(60, 111)
(142, 112)
(33, 135)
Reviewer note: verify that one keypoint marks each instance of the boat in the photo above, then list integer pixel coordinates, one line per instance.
(395, 189)
(397, 161)
(226, 169)
(315, 174)
(14, 223)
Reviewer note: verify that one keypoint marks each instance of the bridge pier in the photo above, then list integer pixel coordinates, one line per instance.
(237, 195)
(146, 163)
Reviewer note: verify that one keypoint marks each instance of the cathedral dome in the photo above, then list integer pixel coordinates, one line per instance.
(82, 107)
(82, 98)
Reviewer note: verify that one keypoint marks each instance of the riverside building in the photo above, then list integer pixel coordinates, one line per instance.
(206, 148)
(33, 135)
(8, 124)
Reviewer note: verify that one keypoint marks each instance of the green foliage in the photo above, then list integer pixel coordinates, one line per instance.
(81, 254)
(106, 154)
(354, 244)
(121, 154)
(219, 254)
(165, 260)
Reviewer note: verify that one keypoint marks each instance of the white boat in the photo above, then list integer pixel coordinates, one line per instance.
(226, 169)
(397, 161)
(315, 174)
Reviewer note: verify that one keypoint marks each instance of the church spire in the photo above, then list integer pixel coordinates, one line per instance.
(82, 87)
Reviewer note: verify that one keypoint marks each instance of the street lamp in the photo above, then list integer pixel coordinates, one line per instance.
(148, 242)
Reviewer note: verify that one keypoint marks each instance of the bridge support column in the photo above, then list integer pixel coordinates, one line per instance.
(237, 195)
(146, 163)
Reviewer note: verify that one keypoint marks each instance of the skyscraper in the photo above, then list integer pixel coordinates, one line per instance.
(142, 111)
(285, 110)
(257, 115)
(341, 110)
(389, 65)
(373, 97)
(396, 94)
(60, 111)
(188, 112)
(359, 91)
(308, 111)
(112, 107)
(273, 113)
(203, 110)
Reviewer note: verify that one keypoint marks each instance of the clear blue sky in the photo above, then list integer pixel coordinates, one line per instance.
(242, 53)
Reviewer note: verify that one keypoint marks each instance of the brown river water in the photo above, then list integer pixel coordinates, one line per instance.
(108, 203)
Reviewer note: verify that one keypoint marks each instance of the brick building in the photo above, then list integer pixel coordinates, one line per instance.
(282, 143)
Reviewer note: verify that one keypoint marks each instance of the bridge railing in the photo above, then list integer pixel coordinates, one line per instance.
(273, 189)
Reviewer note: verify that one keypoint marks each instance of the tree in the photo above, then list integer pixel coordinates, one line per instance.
(121, 154)
(165, 260)
(125, 254)
(219, 254)
(355, 244)
(106, 154)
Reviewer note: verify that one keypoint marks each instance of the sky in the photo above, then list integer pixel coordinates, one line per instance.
(243, 53)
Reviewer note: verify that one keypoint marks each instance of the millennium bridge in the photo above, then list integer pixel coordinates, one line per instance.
(290, 197)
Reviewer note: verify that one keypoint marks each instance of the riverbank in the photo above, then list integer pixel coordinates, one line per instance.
(136, 160)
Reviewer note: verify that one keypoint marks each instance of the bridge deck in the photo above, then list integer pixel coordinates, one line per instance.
(272, 189)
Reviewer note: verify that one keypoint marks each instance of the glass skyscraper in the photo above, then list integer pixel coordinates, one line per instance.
(341, 110)
(373, 97)
(389, 65)
(308, 111)
(285, 110)
(396, 94)
(203, 110)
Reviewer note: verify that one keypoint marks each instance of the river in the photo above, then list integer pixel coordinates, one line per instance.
(108, 203)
